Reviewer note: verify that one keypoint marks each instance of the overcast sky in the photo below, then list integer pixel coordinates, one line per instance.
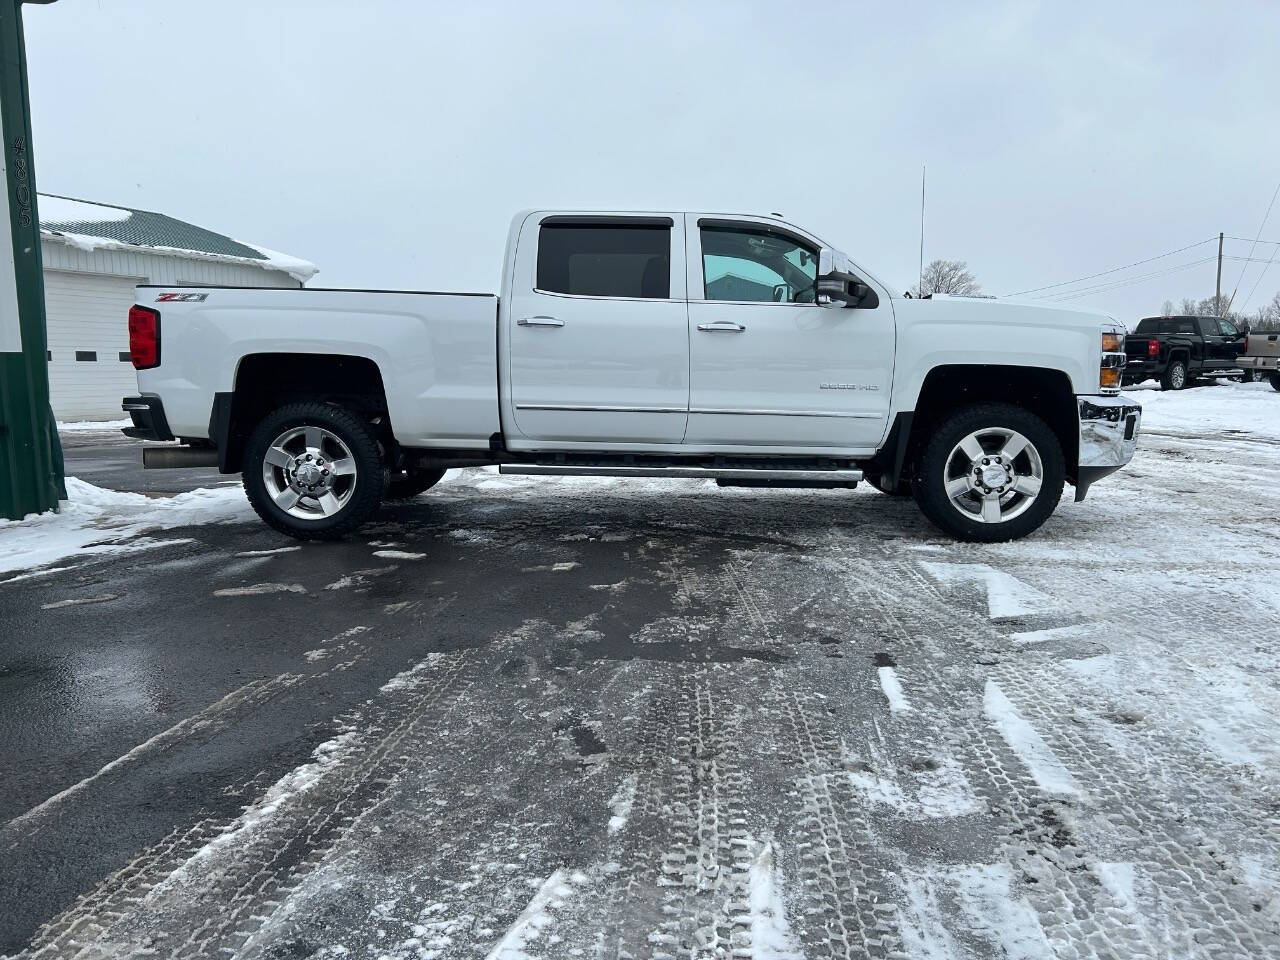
(390, 142)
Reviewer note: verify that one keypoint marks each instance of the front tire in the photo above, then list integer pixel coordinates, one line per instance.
(1175, 376)
(991, 472)
(313, 471)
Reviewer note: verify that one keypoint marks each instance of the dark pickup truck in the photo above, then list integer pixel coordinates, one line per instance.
(1177, 350)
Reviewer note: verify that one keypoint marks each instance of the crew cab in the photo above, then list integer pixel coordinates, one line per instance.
(735, 347)
(1178, 350)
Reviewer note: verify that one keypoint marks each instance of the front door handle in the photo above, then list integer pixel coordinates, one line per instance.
(721, 326)
(539, 322)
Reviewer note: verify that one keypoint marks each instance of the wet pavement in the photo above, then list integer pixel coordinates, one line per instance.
(520, 717)
(107, 459)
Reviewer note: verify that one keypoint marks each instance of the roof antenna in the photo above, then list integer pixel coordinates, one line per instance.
(920, 281)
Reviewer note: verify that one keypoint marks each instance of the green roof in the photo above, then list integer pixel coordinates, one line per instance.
(141, 227)
(91, 225)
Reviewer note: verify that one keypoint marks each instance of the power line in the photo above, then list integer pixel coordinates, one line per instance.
(1136, 263)
(1127, 281)
(1261, 227)
(1254, 289)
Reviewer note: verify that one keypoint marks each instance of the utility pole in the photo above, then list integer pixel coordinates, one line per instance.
(1217, 295)
(31, 478)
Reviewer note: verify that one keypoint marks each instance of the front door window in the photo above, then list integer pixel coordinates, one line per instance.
(748, 265)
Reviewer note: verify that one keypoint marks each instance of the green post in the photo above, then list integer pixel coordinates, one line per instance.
(31, 478)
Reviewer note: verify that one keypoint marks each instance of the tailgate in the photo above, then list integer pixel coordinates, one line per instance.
(1263, 345)
(1135, 347)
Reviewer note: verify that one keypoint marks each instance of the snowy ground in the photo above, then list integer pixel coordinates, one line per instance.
(720, 723)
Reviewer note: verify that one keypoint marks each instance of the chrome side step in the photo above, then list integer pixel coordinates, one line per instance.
(684, 473)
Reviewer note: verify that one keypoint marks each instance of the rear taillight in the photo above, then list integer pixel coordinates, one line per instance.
(144, 337)
(1153, 348)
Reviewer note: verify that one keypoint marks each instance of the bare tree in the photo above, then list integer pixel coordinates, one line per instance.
(1263, 318)
(947, 276)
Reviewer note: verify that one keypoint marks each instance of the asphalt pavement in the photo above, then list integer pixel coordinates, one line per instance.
(519, 717)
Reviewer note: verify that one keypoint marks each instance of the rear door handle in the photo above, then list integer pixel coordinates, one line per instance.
(721, 326)
(539, 322)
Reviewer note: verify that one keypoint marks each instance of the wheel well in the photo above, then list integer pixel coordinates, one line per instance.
(1046, 393)
(267, 381)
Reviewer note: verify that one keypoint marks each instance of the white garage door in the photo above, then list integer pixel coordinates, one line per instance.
(89, 368)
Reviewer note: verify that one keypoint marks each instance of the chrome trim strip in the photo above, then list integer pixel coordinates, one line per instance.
(583, 408)
(787, 413)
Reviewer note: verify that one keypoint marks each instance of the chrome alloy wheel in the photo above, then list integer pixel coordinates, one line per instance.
(1178, 376)
(309, 473)
(993, 475)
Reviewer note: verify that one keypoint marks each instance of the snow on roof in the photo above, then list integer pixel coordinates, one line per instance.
(64, 210)
(96, 226)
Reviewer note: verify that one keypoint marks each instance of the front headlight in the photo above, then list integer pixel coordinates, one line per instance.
(1113, 361)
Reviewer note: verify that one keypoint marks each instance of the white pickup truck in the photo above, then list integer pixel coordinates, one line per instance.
(740, 348)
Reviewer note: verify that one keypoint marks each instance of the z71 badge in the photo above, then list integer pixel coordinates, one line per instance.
(182, 298)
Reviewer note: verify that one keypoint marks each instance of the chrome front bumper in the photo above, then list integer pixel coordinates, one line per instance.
(1108, 436)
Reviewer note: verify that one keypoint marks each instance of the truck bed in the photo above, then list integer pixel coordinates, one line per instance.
(437, 352)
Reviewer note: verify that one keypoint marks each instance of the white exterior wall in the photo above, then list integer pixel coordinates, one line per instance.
(87, 298)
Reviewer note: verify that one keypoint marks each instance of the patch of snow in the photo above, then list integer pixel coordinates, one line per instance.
(258, 589)
(1239, 409)
(76, 426)
(97, 521)
(1007, 596)
(1117, 879)
(1041, 762)
(551, 568)
(298, 781)
(535, 919)
(1055, 633)
(36, 573)
(398, 555)
(64, 210)
(79, 601)
(771, 936)
(622, 801)
(266, 553)
(893, 690)
(934, 788)
(408, 679)
(300, 270)
(969, 911)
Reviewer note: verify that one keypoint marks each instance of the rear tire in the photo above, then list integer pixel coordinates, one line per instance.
(1174, 376)
(314, 471)
(410, 483)
(991, 472)
(1275, 381)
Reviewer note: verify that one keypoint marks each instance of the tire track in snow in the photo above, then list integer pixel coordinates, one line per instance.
(212, 719)
(216, 892)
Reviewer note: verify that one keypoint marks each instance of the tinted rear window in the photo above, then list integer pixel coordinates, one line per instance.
(605, 261)
(1159, 325)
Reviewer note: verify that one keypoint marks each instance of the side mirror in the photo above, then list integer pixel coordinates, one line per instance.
(837, 284)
